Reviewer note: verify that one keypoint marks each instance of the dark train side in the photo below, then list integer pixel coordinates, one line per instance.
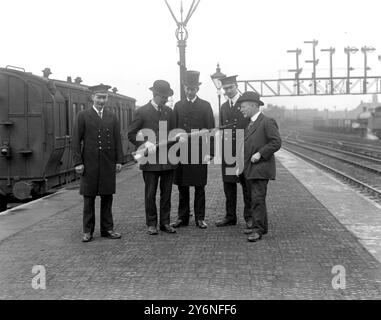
(37, 116)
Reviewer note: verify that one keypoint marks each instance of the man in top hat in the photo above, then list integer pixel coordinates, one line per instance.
(97, 155)
(193, 113)
(153, 116)
(261, 141)
(231, 114)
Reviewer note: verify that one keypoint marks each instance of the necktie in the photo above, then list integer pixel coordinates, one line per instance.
(100, 114)
(231, 104)
(248, 127)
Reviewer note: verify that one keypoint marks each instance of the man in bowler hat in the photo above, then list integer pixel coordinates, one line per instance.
(151, 116)
(231, 114)
(193, 113)
(261, 141)
(97, 155)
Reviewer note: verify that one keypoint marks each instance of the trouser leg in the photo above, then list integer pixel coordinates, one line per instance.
(199, 202)
(88, 214)
(258, 191)
(166, 181)
(107, 223)
(230, 190)
(246, 198)
(151, 179)
(184, 207)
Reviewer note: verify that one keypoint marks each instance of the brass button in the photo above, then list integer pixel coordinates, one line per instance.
(100, 148)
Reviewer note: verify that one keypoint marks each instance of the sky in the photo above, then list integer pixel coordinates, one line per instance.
(130, 44)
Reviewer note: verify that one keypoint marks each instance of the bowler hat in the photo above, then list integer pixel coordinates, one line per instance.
(250, 96)
(100, 88)
(229, 80)
(191, 79)
(162, 88)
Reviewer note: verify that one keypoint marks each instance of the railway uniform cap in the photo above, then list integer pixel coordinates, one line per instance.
(229, 80)
(250, 96)
(162, 88)
(100, 88)
(191, 79)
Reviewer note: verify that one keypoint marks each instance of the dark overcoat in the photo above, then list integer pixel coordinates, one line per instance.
(147, 117)
(97, 145)
(263, 137)
(196, 115)
(229, 115)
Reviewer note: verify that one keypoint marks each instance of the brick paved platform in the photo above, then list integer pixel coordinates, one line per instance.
(294, 261)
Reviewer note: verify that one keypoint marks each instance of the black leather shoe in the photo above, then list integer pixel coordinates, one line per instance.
(179, 223)
(255, 236)
(225, 222)
(152, 230)
(201, 224)
(87, 237)
(167, 228)
(111, 234)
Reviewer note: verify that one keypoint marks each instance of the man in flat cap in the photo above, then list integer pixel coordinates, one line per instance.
(97, 155)
(153, 117)
(193, 113)
(231, 114)
(261, 141)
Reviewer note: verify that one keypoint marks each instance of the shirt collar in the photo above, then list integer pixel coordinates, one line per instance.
(255, 117)
(193, 100)
(156, 106)
(235, 98)
(96, 110)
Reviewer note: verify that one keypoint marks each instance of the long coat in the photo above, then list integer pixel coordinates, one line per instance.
(263, 137)
(228, 116)
(97, 145)
(147, 117)
(196, 115)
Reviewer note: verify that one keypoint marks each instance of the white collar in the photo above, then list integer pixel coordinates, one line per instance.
(96, 110)
(156, 106)
(234, 99)
(193, 100)
(255, 117)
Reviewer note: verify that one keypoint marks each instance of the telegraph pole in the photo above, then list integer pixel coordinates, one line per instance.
(182, 36)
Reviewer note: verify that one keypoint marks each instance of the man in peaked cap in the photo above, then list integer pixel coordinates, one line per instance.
(231, 114)
(152, 116)
(97, 155)
(261, 141)
(193, 113)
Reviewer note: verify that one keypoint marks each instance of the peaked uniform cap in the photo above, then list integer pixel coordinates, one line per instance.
(191, 79)
(229, 80)
(162, 88)
(250, 96)
(100, 88)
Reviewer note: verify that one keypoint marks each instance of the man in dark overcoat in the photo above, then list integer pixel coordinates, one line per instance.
(261, 141)
(193, 113)
(231, 114)
(154, 117)
(97, 156)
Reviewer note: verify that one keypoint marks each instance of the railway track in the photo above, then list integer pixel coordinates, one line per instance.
(365, 178)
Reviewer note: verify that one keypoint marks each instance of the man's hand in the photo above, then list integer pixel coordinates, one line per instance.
(79, 169)
(255, 158)
(118, 167)
(181, 137)
(208, 158)
(150, 146)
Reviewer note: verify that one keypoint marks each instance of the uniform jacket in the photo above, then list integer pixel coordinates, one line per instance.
(97, 145)
(196, 115)
(263, 137)
(230, 115)
(147, 117)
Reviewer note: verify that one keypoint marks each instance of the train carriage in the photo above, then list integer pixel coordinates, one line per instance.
(37, 116)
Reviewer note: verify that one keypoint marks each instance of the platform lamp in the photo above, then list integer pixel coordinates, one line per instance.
(216, 78)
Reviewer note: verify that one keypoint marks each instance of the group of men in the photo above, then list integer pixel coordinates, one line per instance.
(97, 154)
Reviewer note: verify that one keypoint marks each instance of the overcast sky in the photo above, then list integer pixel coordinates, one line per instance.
(129, 44)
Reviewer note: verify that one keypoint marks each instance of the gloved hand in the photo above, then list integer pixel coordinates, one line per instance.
(208, 158)
(181, 137)
(150, 146)
(80, 169)
(255, 158)
(118, 167)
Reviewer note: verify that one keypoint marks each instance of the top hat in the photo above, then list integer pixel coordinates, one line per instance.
(191, 79)
(250, 96)
(162, 88)
(100, 88)
(229, 80)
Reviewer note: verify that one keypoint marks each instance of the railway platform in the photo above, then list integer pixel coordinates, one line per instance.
(316, 225)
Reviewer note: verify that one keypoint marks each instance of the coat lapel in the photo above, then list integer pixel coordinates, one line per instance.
(254, 126)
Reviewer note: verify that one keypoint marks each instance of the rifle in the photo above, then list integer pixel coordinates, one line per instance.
(144, 152)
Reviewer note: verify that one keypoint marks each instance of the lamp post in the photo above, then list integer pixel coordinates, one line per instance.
(216, 77)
